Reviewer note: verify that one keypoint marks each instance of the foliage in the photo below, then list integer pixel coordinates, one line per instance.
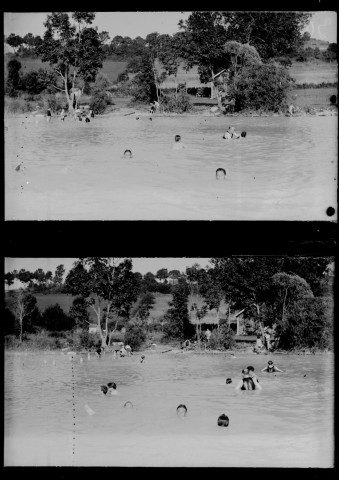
(37, 81)
(65, 47)
(144, 80)
(177, 324)
(135, 336)
(81, 339)
(261, 87)
(99, 102)
(307, 324)
(142, 310)
(178, 104)
(55, 319)
(79, 312)
(13, 78)
(222, 339)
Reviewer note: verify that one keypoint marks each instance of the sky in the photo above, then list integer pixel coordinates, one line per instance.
(323, 25)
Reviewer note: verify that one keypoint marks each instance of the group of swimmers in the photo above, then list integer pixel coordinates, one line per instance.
(79, 114)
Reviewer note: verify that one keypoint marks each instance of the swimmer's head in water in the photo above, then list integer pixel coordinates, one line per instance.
(112, 385)
(128, 404)
(250, 368)
(243, 134)
(104, 389)
(220, 174)
(177, 138)
(223, 420)
(270, 362)
(127, 153)
(228, 380)
(181, 409)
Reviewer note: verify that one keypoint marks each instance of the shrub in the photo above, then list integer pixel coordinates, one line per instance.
(179, 104)
(17, 105)
(40, 341)
(263, 86)
(81, 339)
(222, 339)
(135, 336)
(55, 319)
(99, 102)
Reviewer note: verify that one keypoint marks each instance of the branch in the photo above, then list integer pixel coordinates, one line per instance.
(61, 89)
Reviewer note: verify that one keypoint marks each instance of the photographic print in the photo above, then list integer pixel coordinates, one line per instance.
(169, 362)
(171, 115)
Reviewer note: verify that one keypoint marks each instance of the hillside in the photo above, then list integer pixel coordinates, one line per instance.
(303, 72)
(65, 302)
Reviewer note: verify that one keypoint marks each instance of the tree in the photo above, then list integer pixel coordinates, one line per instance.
(162, 274)
(144, 307)
(55, 319)
(288, 289)
(74, 52)
(177, 324)
(9, 278)
(25, 276)
(14, 41)
(13, 77)
(58, 276)
(109, 287)
(149, 282)
(307, 324)
(23, 305)
(79, 312)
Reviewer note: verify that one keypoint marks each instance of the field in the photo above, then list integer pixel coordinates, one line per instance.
(302, 72)
(65, 302)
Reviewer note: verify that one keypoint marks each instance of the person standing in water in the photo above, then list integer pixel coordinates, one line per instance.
(177, 143)
(270, 368)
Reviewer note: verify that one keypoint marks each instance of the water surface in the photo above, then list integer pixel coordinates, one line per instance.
(285, 169)
(287, 424)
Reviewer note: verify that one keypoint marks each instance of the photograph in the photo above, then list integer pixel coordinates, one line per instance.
(170, 115)
(211, 362)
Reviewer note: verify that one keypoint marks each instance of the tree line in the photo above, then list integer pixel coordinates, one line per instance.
(291, 295)
(245, 54)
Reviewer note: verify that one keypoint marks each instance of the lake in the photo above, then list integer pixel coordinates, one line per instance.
(55, 414)
(285, 169)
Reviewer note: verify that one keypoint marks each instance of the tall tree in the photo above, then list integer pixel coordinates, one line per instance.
(109, 286)
(59, 275)
(73, 52)
(13, 77)
(162, 274)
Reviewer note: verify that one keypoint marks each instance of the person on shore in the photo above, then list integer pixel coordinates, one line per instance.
(142, 358)
(128, 349)
(127, 153)
(99, 352)
(271, 368)
(91, 113)
(223, 420)
(177, 143)
(220, 174)
(62, 114)
(122, 352)
(48, 114)
(291, 110)
(254, 377)
(181, 410)
(246, 383)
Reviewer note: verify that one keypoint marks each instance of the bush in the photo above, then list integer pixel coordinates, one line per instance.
(222, 339)
(99, 102)
(180, 104)
(81, 339)
(263, 86)
(40, 341)
(17, 105)
(135, 336)
(55, 319)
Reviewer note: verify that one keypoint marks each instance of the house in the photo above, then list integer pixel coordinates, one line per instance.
(92, 328)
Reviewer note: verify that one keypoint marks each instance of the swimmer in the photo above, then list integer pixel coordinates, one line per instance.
(128, 404)
(122, 352)
(270, 368)
(112, 388)
(91, 113)
(220, 174)
(246, 383)
(230, 133)
(177, 143)
(104, 389)
(62, 114)
(87, 120)
(181, 410)
(254, 377)
(127, 154)
(291, 109)
(223, 420)
(242, 135)
(228, 380)
(142, 358)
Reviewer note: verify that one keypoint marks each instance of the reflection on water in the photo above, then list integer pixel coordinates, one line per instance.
(285, 169)
(288, 423)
